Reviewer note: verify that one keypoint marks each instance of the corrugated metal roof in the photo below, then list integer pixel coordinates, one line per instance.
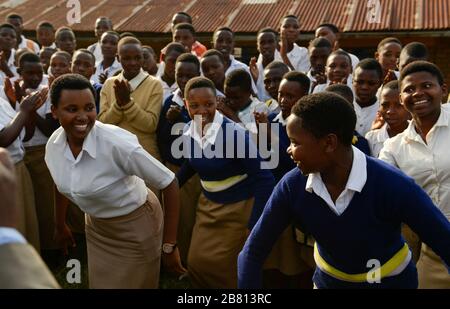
(240, 15)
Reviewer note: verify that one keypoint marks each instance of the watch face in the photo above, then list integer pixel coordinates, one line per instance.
(168, 248)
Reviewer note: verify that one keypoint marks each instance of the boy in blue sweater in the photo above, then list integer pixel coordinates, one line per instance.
(234, 187)
(351, 204)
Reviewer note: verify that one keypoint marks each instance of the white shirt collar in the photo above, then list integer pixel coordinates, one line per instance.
(355, 183)
(177, 97)
(411, 133)
(137, 80)
(280, 119)
(89, 144)
(211, 131)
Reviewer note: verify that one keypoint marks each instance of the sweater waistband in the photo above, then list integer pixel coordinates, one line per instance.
(221, 185)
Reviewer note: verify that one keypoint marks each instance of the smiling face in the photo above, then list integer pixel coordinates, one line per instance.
(421, 95)
(131, 58)
(388, 56)
(76, 113)
(184, 71)
(267, 44)
(338, 68)
(59, 65)
(224, 42)
(201, 102)
(366, 84)
(272, 80)
(108, 45)
(83, 64)
(306, 150)
(289, 93)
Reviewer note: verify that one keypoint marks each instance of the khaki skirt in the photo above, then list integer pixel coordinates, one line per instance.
(290, 257)
(43, 187)
(189, 195)
(26, 210)
(219, 234)
(431, 270)
(125, 252)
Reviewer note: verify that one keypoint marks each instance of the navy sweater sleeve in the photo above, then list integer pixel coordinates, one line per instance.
(275, 218)
(163, 131)
(185, 172)
(264, 180)
(416, 209)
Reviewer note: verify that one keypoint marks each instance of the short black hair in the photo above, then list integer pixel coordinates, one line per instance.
(189, 58)
(416, 50)
(63, 54)
(185, 26)
(277, 65)
(319, 43)
(150, 49)
(213, 52)
(47, 48)
(45, 24)
(239, 78)
(332, 27)
(199, 82)
(371, 64)
(84, 51)
(175, 47)
(64, 29)
(289, 16)
(422, 66)
(327, 113)
(126, 33)
(14, 16)
(184, 14)
(392, 85)
(68, 82)
(342, 90)
(111, 32)
(388, 40)
(128, 40)
(341, 52)
(28, 57)
(9, 26)
(300, 78)
(267, 30)
(223, 29)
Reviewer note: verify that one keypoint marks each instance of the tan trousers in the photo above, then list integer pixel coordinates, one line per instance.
(125, 252)
(431, 270)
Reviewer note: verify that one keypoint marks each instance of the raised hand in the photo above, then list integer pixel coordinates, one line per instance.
(173, 114)
(122, 91)
(254, 69)
(34, 101)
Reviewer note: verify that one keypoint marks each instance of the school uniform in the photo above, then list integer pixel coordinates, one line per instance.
(247, 117)
(167, 90)
(365, 116)
(322, 87)
(397, 76)
(235, 65)
(234, 192)
(140, 116)
(191, 190)
(22, 267)
(361, 227)
(99, 69)
(429, 165)
(376, 139)
(355, 60)
(31, 45)
(273, 106)
(96, 49)
(298, 57)
(361, 143)
(123, 218)
(27, 222)
(98, 89)
(11, 66)
(262, 93)
(288, 255)
(312, 80)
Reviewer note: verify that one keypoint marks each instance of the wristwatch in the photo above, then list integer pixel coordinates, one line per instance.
(168, 248)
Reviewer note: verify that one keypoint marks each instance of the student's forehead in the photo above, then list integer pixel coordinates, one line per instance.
(324, 30)
(183, 32)
(419, 77)
(179, 18)
(83, 57)
(266, 36)
(338, 58)
(66, 35)
(288, 85)
(8, 30)
(391, 46)
(45, 29)
(274, 72)
(290, 21)
(320, 50)
(203, 92)
(211, 60)
(366, 73)
(59, 58)
(109, 37)
(102, 23)
(184, 65)
(224, 34)
(131, 47)
(14, 20)
(31, 65)
(76, 96)
(389, 94)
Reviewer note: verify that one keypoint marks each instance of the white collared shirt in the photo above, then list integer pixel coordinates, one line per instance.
(279, 118)
(168, 90)
(177, 98)
(136, 81)
(116, 66)
(107, 178)
(97, 51)
(235, 65)
(12, 68)
(248, 118)
(24, 44)
(427, 163)
(211, 131)
(298, 57)
(7, 114)
(273, 106)
(262, 93)
(355, 183)
(376, 139)
(365, 117)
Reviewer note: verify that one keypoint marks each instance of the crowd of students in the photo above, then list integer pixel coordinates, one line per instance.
(114, 144)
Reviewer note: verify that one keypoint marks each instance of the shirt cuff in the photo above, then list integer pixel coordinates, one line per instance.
(9, 235)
